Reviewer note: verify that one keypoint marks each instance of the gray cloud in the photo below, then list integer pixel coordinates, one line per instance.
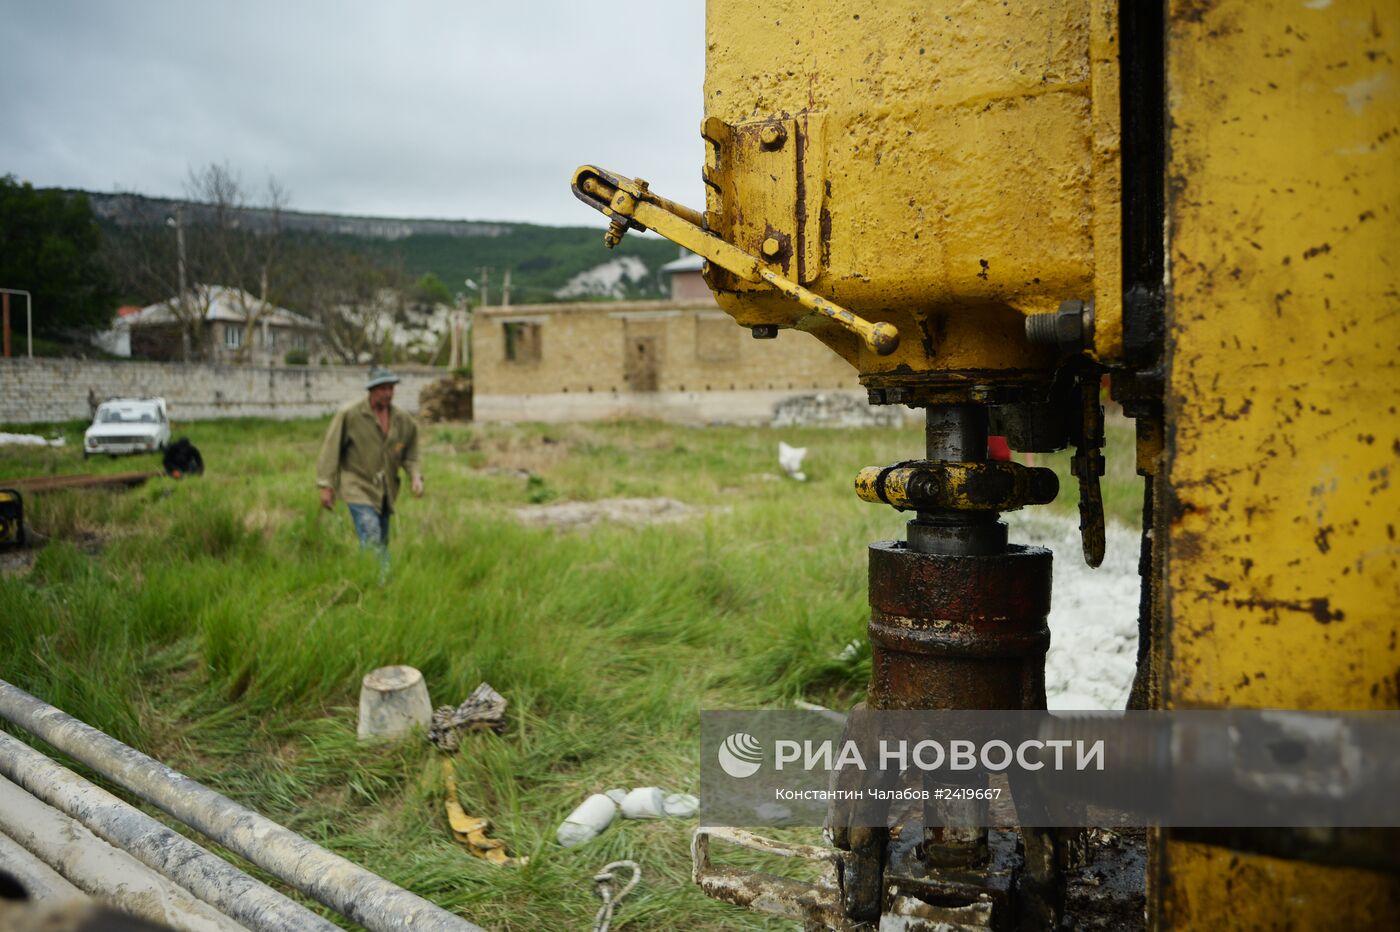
(424, 109)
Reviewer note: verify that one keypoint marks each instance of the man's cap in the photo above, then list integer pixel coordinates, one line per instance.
(381, 376)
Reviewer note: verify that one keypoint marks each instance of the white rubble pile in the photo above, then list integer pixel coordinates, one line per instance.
(833, 409)
(415, 331)
(610, 279)
(30, 440)
(411, 329)
(1093, 614)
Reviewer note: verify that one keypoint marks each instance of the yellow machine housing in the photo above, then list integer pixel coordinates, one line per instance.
(910, 181)
(1278, 571)
(948, 174)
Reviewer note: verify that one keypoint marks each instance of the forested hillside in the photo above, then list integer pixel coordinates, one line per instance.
(543, 260)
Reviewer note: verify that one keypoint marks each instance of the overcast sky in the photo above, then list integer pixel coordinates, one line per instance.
(468, 109)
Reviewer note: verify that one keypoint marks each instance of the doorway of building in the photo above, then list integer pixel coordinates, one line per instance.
(643, 364)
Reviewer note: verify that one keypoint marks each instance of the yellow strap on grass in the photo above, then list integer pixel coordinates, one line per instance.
(471, 830)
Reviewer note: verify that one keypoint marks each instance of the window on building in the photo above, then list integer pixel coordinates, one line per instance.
(233, 336)
(716, 339)
(522, 341)
(271, 338)
(298, 339)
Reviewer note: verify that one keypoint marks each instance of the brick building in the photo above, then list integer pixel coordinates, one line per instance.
(680, 359)
(155, 331)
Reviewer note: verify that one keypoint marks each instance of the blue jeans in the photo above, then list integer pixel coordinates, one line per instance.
(372, 527)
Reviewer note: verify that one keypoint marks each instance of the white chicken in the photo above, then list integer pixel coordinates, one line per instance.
(790, 459)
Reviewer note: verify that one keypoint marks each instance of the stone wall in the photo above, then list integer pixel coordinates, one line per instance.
(837, 409)
(42, 390)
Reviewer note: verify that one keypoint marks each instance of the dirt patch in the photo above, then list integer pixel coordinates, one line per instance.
(16, 562)
(632, 511)
(20, 561)
(510, 453)
(267, 521)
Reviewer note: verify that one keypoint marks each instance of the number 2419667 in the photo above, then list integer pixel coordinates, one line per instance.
(968, 792)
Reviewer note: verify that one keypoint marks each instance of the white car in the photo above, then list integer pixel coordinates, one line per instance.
(128, 425)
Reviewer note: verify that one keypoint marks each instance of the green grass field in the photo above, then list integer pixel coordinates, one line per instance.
(222, 624)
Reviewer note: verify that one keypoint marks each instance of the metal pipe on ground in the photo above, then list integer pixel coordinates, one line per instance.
(207, 876)
(85, 481)
(40, 882)
(108, 874)
(354, 892)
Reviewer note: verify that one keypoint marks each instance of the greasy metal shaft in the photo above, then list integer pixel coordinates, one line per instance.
(356, 893)
(956, 433)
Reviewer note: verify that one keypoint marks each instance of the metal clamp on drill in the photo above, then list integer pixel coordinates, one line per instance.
(925, 485)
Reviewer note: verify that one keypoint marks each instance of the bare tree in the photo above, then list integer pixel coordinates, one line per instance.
(220, 237)
(150, 260)
(240, 255)
(216, 237)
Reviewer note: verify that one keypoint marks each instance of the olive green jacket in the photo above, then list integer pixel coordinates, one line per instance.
(360, 462)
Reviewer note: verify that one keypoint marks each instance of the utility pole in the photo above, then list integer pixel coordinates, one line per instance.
(485, 286)
(461, 328)
(505, 289)
(266, 326)
(28, 315)
(184, 304)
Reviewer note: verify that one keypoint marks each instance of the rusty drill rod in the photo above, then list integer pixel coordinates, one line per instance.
(209, 877)
(349, 889)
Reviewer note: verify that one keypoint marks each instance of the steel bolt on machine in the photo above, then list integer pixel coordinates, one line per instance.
(986, 208)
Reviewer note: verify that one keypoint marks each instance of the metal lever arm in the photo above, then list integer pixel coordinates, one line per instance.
(1087, 464)
(632, 206)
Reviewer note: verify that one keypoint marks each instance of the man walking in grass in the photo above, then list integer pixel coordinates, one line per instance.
(367, 444)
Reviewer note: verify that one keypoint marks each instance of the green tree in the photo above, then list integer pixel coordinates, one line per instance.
(430, 290)
(49, 246)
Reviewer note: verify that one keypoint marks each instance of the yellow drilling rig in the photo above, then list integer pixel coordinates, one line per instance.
(985, 207)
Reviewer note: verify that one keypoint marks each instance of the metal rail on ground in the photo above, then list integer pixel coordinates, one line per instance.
(84, 481)
(207, 876)
(108, 874)
(40, 882)
(354, 892)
